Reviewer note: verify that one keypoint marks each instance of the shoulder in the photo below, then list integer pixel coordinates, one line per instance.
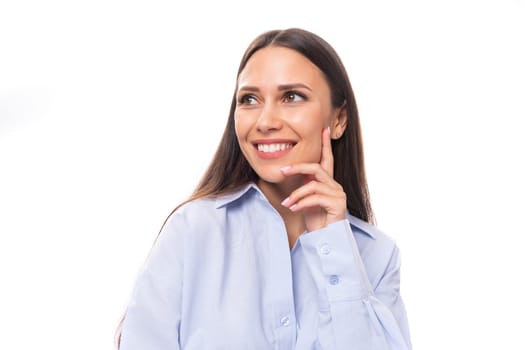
(196, 207)
(208, 215)
(188, 229)
(195, 215)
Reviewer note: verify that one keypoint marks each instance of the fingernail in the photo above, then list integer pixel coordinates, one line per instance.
(329, 131)
(286, 200)
(284, 168)
(292, 208)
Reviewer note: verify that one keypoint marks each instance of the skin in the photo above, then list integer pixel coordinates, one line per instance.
(282, 97)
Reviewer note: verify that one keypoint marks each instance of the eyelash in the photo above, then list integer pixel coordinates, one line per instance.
(286, 96)
(243, 99)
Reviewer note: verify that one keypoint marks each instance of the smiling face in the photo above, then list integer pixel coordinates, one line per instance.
(283, 105)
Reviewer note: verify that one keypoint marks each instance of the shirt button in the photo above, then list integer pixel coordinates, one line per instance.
(285, 321)
(324, 249)
(334, 279)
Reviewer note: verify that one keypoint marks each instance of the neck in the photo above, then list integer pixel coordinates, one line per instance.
(276, 193)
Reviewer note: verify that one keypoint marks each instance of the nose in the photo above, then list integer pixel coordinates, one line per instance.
(269, 119)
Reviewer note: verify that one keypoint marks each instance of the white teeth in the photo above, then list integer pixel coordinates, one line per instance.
(273, 147)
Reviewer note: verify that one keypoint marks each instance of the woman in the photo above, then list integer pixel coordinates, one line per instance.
(275, 249)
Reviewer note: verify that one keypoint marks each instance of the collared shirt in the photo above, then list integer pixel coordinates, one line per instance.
(221, 276)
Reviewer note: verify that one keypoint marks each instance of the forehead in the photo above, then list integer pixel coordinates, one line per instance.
(275, 65)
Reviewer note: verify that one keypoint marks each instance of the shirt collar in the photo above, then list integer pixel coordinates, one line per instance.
(232, 197)
(362, 225)
(229, 198)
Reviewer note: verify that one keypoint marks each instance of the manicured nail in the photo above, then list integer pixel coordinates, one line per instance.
(285, 168)
(286, 200)
(292, 208)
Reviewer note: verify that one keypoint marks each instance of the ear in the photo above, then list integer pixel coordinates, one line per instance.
(338, 124)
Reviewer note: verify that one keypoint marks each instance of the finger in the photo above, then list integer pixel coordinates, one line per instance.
(334, 207)
(313, 170)
(314, 188)
(327, 157)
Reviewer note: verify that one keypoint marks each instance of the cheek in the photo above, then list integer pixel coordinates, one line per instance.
(310, 127)
(243, 122)
(313, 117)
(240, 127)
(315, 147)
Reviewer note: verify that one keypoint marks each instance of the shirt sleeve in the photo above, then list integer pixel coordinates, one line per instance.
(354, 314)
(153, 314)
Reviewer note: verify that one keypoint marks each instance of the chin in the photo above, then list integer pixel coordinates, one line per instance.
(271, 176)
(277, 178)
(274, 179)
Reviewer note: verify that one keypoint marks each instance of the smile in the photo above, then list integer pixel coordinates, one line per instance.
(273, 147)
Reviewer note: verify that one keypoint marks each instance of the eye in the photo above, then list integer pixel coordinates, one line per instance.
(293, 96)
(247, 100)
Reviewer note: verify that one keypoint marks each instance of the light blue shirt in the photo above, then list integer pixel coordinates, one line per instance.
(221, 276)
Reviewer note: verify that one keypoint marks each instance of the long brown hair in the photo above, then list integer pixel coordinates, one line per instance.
(229, 170)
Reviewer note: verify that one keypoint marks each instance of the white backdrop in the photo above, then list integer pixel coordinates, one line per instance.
(111, 110)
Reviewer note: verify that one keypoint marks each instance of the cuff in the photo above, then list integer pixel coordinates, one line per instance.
(334, 260)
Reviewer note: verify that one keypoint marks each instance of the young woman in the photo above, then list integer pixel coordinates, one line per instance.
(276, 249)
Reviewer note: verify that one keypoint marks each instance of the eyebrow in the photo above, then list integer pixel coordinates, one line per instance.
(280, 87)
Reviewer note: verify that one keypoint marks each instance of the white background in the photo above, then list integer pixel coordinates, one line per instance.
(111, 110)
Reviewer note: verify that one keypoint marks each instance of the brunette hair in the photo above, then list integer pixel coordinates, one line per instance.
(229, 170)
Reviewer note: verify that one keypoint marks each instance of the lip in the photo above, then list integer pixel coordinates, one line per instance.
(272, 155)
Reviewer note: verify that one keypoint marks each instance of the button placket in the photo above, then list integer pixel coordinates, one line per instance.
(285, 321)
(334, 280)
(324, 249)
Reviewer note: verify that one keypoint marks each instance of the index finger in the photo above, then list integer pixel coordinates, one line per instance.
(327, 157)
